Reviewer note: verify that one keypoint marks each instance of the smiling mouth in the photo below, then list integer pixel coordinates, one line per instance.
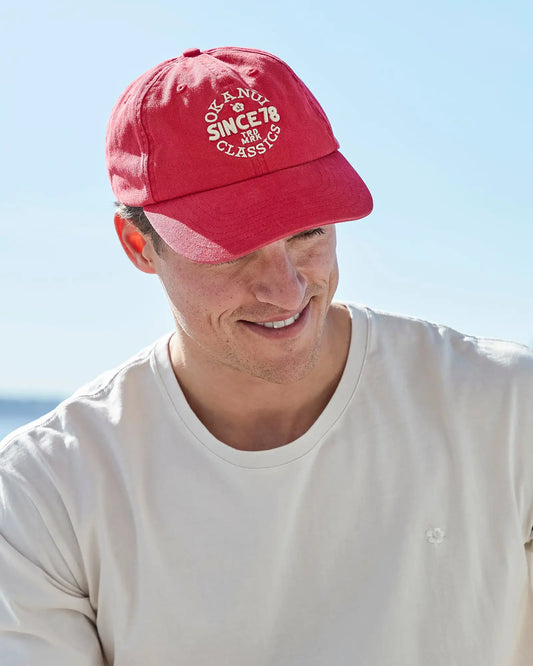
(280, 324)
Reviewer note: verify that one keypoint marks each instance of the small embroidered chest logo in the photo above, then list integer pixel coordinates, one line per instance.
(435, 535)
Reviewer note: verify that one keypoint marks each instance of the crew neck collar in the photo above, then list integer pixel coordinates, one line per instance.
(293, 450)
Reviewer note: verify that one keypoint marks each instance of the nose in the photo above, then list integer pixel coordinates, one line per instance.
(276, 279)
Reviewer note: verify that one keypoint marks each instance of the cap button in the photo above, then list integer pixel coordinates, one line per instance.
(191, 53)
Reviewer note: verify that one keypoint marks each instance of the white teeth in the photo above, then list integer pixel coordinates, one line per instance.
(280, 324)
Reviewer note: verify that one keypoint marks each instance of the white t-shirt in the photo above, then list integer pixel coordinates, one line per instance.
(395, 532)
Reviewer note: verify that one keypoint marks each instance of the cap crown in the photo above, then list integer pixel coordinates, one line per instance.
(208, 119)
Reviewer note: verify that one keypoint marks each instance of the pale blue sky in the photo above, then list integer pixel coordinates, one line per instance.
(431, 102)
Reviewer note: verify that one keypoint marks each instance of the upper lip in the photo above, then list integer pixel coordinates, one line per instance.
(279, 317)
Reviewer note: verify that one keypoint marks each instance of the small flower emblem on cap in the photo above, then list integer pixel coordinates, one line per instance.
(238, 107)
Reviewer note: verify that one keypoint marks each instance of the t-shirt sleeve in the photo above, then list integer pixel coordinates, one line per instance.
(46, 618)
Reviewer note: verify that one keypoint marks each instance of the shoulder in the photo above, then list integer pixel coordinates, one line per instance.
(424, 352)
(81, 421)
(433, 340)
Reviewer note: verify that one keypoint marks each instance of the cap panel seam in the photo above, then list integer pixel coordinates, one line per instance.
(146, 133)
(309, 96)
(308, 93)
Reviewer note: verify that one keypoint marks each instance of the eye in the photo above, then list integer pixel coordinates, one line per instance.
(226, 263)
(310, 232)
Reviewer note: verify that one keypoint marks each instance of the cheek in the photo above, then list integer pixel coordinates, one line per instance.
(322, 262)
(328, 268)
(332, 260)
(334, 277)
(198, 300)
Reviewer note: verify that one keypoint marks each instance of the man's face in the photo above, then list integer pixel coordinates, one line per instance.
(263, 314)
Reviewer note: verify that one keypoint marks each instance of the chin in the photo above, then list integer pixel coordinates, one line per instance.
(288, 371)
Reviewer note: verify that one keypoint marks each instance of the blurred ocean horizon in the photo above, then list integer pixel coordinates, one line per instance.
(18, 411)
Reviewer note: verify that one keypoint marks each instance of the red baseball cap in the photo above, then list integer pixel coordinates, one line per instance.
(227, 151)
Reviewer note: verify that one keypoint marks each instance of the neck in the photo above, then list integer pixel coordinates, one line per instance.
(253, 414)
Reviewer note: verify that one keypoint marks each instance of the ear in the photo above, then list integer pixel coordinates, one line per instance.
(139, 250)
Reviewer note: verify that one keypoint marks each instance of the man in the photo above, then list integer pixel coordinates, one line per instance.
(283, 480)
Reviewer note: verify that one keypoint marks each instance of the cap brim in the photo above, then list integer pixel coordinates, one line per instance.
(228, 222)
